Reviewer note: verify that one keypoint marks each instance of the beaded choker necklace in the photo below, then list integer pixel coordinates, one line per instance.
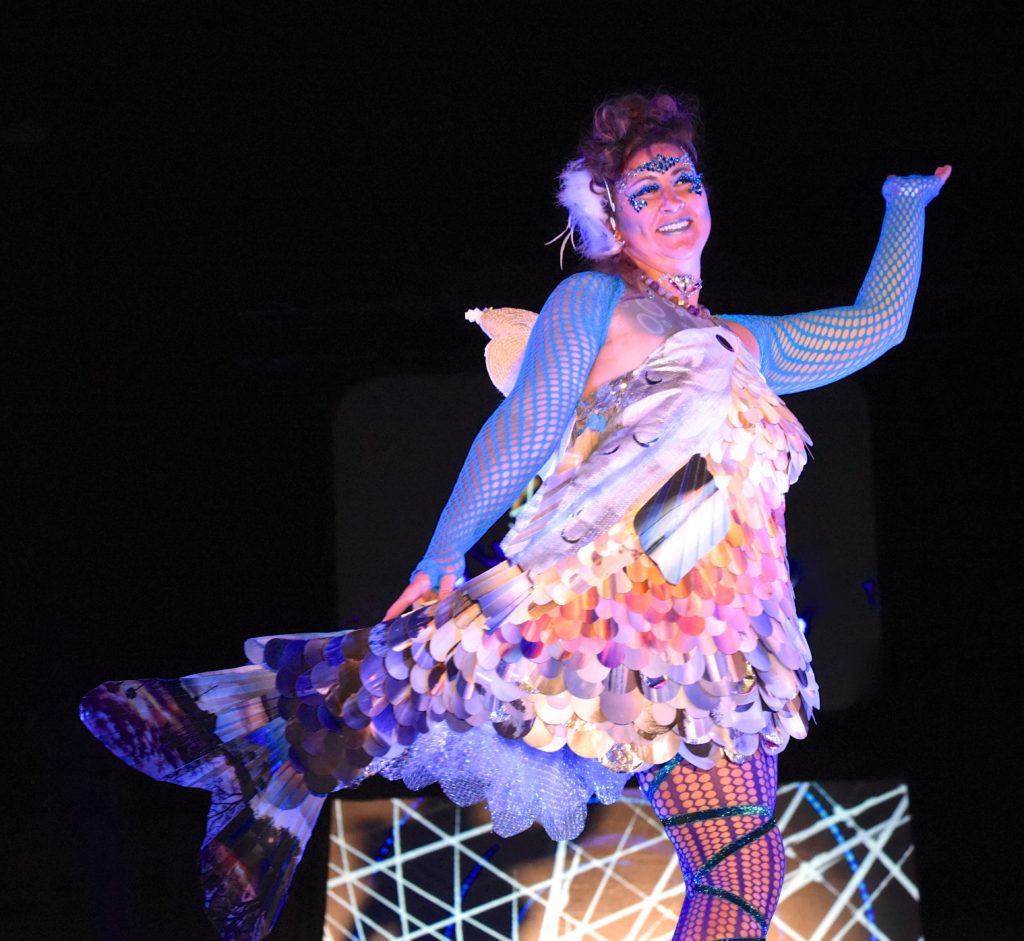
(676, 288)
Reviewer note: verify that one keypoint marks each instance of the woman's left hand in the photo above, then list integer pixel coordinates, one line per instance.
(926, 186)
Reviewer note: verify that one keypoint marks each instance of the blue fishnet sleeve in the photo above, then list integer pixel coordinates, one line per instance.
(518, 438)
(804, 351)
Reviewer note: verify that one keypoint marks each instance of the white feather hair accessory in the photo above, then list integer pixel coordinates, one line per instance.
(590, 228)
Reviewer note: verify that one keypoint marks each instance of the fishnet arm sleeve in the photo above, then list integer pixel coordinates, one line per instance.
(804, 351)
(517, 439)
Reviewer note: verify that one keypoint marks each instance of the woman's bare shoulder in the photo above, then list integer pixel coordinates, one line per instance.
(748, 339)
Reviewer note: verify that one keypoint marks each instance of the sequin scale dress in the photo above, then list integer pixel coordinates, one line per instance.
(646, 611)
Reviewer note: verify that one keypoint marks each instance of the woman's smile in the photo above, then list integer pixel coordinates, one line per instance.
(678, 225)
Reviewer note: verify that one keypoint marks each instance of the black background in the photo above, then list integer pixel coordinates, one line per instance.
(219, 217)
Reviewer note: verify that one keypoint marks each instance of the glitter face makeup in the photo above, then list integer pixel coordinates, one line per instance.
(660, 165)
(670, 219)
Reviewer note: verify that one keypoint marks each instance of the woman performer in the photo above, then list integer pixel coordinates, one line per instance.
(643, 622)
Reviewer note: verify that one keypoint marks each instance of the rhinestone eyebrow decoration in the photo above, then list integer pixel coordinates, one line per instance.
(635, 198)
(693, 179)
(696, 181)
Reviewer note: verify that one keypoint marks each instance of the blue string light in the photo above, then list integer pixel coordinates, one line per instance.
(470, 879)
(387, 847)
(841, 840)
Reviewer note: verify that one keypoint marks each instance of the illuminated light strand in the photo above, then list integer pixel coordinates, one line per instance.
(656, 905)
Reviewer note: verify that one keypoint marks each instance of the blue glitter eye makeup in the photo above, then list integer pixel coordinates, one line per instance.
(694, 179)
(634, 198)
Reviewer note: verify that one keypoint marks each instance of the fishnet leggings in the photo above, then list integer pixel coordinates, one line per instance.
(798, 351)
(730, 851)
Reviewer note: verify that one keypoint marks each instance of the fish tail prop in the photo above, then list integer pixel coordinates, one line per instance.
(224, 732)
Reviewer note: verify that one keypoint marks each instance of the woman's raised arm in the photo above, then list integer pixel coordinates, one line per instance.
(518, 438)
(804, 351)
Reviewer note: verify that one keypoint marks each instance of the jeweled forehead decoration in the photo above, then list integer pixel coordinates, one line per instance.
(659, 164)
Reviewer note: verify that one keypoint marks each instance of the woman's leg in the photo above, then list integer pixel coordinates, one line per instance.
(722, 827)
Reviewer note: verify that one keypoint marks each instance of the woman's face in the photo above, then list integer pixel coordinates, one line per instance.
(662, 211)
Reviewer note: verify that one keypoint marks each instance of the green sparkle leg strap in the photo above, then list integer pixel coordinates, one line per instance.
(730, 851)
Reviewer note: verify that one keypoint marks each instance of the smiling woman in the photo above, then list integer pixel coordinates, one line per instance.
(643, 621)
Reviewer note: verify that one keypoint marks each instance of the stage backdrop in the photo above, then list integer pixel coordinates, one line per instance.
(421, 868)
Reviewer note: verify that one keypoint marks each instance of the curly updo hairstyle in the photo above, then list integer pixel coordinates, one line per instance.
(621, 126)
(624, 125)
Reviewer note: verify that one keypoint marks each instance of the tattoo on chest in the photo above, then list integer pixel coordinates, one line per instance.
(652, 316)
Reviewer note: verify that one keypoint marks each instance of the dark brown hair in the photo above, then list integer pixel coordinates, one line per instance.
(628, 123)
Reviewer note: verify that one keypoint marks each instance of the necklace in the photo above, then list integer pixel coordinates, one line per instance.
(682, 286)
